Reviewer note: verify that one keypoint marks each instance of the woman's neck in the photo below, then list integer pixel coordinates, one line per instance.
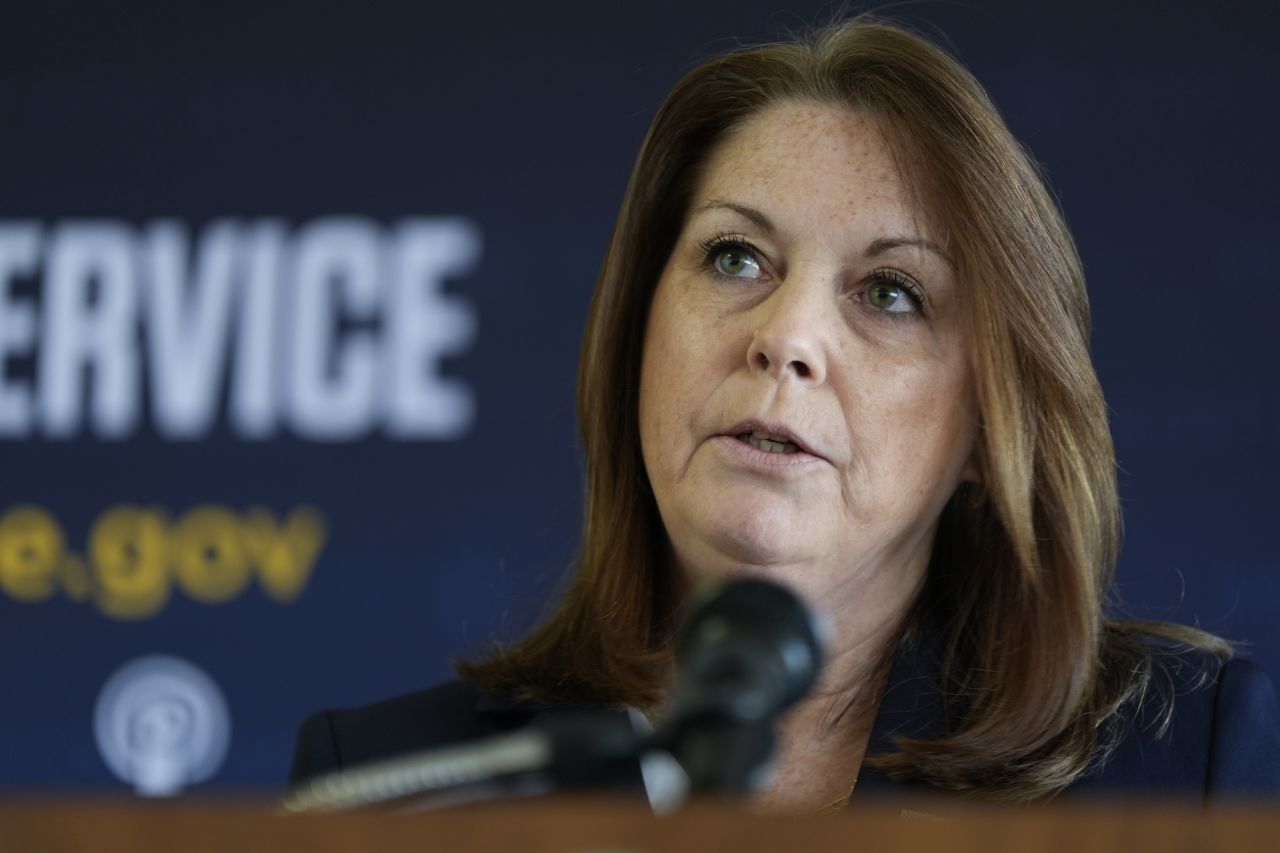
(822, 740)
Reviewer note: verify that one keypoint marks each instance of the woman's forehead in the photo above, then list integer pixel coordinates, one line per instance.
(817, 167)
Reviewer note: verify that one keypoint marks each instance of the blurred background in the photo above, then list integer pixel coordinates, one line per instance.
(290, 299)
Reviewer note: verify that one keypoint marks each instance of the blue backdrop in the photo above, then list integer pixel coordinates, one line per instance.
(290, 301)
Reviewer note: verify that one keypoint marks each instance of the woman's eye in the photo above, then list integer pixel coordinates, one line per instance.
(735, 263)
(892, 296)
(889, 297)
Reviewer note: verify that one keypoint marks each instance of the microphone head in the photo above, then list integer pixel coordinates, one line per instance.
(748, 649)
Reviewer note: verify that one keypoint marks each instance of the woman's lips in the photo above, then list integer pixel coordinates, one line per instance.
(769, 443)
(743, 452)
(771, 437)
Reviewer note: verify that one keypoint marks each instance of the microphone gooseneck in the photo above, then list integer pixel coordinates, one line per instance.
(748, 650)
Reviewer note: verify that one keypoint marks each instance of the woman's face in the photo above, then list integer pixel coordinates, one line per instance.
(806, 402)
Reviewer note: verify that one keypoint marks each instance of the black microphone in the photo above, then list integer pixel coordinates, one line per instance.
(748, 650)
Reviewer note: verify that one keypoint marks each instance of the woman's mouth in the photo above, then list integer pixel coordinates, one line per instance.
(768, 443)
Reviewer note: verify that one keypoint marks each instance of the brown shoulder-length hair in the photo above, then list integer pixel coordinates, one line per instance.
(1036, 674)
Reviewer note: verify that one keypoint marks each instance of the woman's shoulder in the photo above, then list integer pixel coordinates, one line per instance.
(1246, 733)
(447, 713)
(1204, 726)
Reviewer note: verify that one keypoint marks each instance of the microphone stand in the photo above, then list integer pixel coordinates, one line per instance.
(565, 751)
(727, 758)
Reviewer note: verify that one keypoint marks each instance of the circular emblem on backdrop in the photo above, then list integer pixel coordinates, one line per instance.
(161, 724)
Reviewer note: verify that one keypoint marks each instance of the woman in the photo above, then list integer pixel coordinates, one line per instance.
(840, 340)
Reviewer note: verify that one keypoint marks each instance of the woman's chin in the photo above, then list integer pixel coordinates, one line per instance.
(763, 543)
(730, 532)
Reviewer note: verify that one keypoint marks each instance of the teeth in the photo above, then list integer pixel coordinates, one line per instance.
(763, 442)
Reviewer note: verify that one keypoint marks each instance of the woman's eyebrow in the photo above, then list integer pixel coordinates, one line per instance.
(888, 244)
(755, 216)
(877, 247)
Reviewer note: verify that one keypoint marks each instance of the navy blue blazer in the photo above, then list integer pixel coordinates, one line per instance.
(1222, 743)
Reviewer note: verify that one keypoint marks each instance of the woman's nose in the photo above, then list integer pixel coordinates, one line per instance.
(787, 343)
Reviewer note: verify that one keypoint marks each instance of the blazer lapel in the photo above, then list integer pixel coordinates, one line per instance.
(912, 707)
